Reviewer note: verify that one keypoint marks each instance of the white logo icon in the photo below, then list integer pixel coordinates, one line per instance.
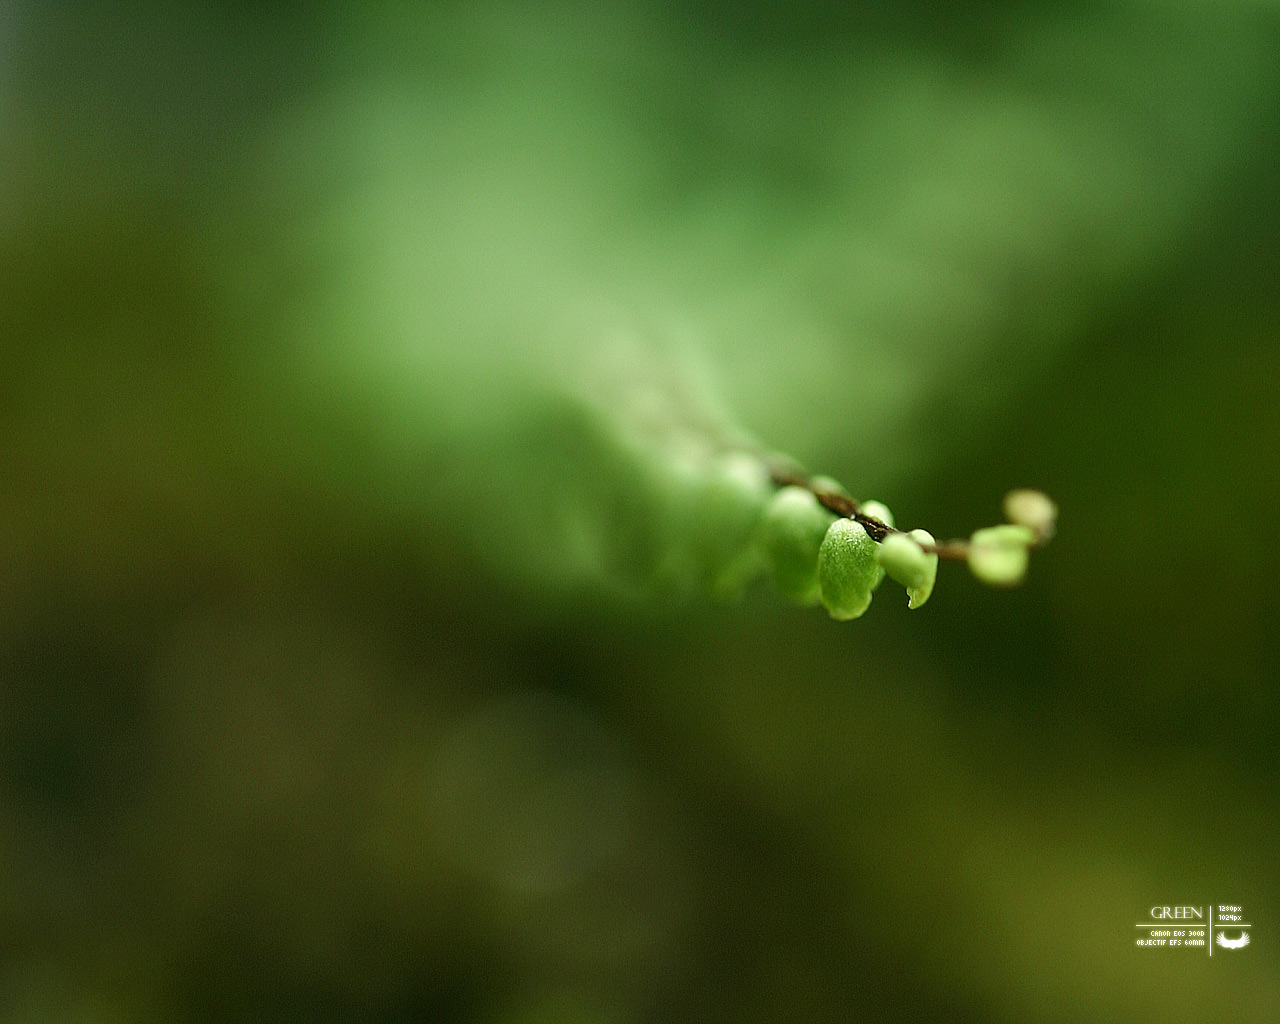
(1227, 943)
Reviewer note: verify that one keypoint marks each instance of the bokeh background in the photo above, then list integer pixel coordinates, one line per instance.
(358, 363)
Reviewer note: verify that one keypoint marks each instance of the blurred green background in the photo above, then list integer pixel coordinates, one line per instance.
(356, 364)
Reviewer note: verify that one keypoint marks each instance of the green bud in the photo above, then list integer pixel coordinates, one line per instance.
(733, 499)
(1008, 535)
(733, 496)
(847, 569)
(1031, 509)
(877, 510)
(916, 569)
(998, 554)
(828, 484)
(783, 463)
(919, 594)
(903, 559)
(792, 530)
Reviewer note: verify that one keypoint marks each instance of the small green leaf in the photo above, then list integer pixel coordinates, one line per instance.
(792, 531)
(733, 499)
(828, 484)
(1007, 535)
(847, 569)
(877, 510)
(998, 554)
(903, 560)
(919, 594)
(1031, 509)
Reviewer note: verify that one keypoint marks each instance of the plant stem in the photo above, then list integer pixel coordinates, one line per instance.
(785, 474)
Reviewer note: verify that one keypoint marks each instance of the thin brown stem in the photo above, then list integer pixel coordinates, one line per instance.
(786, 474)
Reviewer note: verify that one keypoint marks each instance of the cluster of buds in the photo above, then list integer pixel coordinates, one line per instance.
(821, 546)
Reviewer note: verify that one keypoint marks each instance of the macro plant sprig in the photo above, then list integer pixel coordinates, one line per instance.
(820, 545)
(726, 508)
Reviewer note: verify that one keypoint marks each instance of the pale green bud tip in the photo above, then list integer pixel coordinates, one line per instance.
(919, 594)
(877, 510)
(847, 569)
(998, 554)
(903, 559)
(1031, 509)
(742, 471)
(1007, 535)
(734, 495)
(828, 484)
(792, 531)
